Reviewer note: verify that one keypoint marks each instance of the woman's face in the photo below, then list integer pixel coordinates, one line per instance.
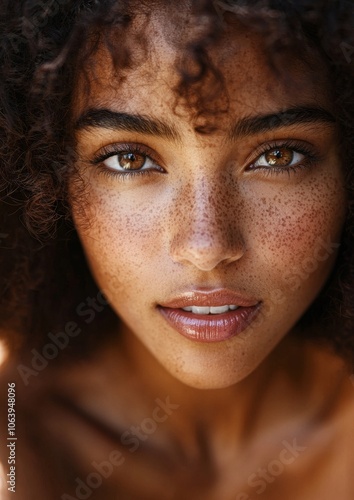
(247, 214)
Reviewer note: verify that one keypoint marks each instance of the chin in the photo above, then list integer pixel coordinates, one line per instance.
(204, 378)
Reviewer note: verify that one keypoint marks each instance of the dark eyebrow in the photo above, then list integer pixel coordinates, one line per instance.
(293, 116)
(105, 118)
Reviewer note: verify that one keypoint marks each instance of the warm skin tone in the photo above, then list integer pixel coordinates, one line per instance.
(207, 217)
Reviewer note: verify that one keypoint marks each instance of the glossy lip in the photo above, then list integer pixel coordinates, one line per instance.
(214, 297)
(210, 328)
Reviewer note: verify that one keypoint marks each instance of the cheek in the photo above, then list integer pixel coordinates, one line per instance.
(292, 235)
(299, 233)
(121, 240)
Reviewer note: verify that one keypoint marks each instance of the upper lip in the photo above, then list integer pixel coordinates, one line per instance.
(210, 298)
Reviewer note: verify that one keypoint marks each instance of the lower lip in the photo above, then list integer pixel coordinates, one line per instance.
(210, 328)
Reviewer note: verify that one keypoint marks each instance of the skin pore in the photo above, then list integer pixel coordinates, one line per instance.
(203, 216)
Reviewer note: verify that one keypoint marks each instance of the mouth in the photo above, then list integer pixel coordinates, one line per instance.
(210, 316)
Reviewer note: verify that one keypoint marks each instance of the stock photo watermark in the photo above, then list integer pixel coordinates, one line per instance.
(58, 341)
(264, 476)
(11, 437)
(295, 278)
(322, 252)
(131, 439)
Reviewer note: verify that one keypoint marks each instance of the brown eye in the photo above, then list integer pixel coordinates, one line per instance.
(279, 157)
(131, 161)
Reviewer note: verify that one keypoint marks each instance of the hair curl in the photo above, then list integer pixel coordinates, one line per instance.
(43, 47)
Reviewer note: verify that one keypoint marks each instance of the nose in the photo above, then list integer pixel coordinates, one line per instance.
(207, 233)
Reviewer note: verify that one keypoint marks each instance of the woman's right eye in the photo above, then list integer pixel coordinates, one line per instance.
(128, 161)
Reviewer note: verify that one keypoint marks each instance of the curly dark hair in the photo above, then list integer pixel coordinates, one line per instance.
(44, 275)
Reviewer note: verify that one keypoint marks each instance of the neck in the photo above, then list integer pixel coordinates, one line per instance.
(295, 379)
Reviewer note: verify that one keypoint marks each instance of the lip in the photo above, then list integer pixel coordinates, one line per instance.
(210, 328)
(215, 297)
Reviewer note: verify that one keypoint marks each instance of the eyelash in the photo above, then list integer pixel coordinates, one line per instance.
(310, 158)
(110, 151)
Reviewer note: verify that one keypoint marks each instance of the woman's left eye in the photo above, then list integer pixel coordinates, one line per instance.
(279, 157)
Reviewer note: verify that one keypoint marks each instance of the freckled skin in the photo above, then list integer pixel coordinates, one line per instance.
(207, 221)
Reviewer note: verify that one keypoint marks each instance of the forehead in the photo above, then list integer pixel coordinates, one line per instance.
(161, 49)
